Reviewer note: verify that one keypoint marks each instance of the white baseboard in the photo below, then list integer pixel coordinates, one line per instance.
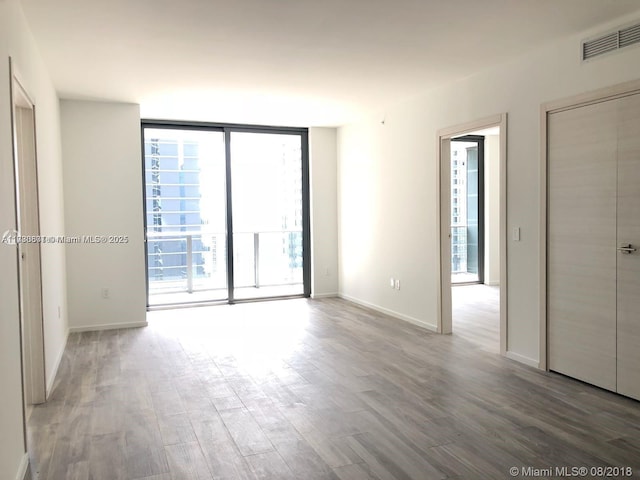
(324, 295)
(391, 313)
(51, 380)
(23, 468)
(107, 326)
(522, 359)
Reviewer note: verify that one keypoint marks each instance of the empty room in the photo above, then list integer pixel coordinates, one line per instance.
(282, 239)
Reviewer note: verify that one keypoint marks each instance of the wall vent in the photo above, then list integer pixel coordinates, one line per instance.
(610, 42)
(629, 36)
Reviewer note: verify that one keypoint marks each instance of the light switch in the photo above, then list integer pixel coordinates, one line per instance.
(516, 234)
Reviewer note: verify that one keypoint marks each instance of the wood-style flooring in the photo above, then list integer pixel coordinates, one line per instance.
(476, 315)
(313, 389)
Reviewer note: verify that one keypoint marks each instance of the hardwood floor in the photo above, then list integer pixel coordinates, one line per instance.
(476, 315)
(313, 389)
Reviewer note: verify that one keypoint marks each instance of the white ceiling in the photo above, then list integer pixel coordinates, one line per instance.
(287, 62)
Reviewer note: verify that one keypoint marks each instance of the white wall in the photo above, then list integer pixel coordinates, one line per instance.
(17, 42)
(387, 182)
(324, 224)
(492, 209)
(50, 186)
(103, 196)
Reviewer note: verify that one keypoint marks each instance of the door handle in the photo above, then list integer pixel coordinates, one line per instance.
(626, 248)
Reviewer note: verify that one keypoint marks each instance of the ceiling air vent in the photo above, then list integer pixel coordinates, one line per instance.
(629, 36)
(610, 42)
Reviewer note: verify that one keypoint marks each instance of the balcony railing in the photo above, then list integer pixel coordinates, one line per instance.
(197, 261)
(459, 249)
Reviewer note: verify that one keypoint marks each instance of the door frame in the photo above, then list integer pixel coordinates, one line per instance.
(546, 109)
(31, 329)
(443, 201)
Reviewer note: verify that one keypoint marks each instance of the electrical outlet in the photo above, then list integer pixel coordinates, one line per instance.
(392, 282)
(105, 293)
(397, 284)
(326, 272)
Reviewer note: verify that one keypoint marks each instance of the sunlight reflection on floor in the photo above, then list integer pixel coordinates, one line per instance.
(261, 337)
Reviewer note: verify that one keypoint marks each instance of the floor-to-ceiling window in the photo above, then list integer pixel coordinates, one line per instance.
(267, 208)
(226, 211)
(467, 209)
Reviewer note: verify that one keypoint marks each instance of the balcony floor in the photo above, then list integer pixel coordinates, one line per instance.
(464, 277)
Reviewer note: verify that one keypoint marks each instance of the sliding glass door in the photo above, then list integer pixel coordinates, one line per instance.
(266, 186)
(226, 211)
(185, 215)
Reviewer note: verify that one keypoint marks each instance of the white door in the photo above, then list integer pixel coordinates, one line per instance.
(593, 273)
(629, 234)
(581, 272)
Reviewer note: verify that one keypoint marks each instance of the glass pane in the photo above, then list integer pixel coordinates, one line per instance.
(186, 215)
(266, 172)
(464, 212)
(472, 209)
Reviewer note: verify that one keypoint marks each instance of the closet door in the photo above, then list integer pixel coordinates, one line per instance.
(629, 233)
(581, 270)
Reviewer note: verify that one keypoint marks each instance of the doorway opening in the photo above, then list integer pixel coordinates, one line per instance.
(29, 256)
(473, 226)
(226, 213)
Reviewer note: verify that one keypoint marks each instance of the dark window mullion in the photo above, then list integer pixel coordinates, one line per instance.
(227, 155)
